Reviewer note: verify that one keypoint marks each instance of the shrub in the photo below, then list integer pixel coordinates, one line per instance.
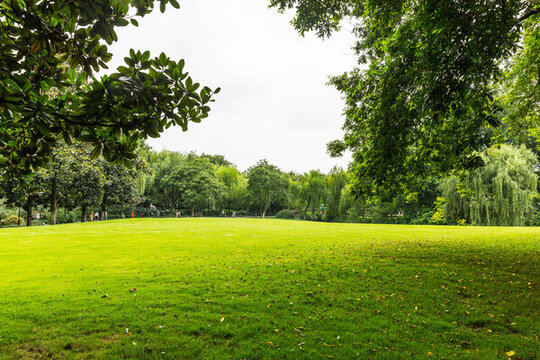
(533, 217)
(150, 211)
(64, 216)
(285, 214)
(12, 220)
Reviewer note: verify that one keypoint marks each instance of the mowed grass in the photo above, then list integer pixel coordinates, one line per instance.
(268, 289)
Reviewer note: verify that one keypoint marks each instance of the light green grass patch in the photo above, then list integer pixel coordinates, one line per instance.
(267, 289)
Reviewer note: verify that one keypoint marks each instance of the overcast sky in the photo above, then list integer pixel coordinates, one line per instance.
(274, 102)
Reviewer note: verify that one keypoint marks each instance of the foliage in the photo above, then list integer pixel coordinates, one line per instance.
(11, 220)
(266, 184)
(499, 193)
(48, 53)
(285, 214)
(519, 93)
(337, 181)
(66, 216)
(313, 190)
(201, 188)
(379, 288)
(422, 103)
(235, 186)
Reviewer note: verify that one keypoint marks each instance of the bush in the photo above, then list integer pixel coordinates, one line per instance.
(285, 214)
(4, 213)
(64, 216)
(424, 218)
(150, 211)
(533, 217)
(12, 220)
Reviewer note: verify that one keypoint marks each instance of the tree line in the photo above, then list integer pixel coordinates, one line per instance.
(76, 185)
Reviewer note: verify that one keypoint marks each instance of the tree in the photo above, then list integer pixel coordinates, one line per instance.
(337, 181)
(161, 189)
(85, 186)
(235, 185)
(313, 190)
(202, 189)
(499, 193)
(48, 53)
(266, 184)
(423, 102)
(519, 94)
(122, 185)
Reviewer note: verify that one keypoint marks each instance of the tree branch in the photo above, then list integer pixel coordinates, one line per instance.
(528, 15)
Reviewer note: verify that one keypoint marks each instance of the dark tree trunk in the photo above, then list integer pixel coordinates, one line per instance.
(19, 217)
(307, 206)
(104, 206)
(54, 191)
(83, 216)
(103, 211)
(29, 211)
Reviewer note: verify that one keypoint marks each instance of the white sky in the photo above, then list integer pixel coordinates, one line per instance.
(274, 102)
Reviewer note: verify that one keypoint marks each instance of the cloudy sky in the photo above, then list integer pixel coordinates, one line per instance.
(274, 102)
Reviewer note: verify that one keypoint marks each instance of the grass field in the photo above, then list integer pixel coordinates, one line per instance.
(268, 289)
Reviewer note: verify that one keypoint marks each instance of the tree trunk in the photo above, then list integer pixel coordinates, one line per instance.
(29, 211)
(83, 210)
(19, 217)
(265, 208)
(103, 211)
(104, 206)
(54, 191)
(91, 213)
(307, 206)
(192, 211)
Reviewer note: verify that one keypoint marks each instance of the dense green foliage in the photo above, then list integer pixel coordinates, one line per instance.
(166, 183)
(426, 99)
(48, 53)
(499, 193)
(267, 289)
(75, 181)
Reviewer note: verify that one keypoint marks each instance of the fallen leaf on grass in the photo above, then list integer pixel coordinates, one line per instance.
(510, 353)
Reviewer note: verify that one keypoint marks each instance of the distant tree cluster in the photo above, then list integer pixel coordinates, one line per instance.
(171, 184)
(75, 181)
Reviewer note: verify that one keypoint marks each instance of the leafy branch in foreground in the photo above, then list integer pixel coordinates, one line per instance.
(48, 53)
(425, 101)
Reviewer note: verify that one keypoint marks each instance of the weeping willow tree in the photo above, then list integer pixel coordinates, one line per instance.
(499, 193)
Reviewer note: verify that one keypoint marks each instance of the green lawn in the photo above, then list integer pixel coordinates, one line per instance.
(268, 289)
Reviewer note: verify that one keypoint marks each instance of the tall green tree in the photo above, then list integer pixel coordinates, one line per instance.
(499, 193)
(337, 181)
(313, 190)
(423, 99)
(235, 186)
(48, 53)
(86, 184)
(122, 187)
(266, 184)
(202, 189)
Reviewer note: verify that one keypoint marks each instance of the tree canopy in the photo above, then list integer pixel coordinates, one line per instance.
(49, 51)
(499, 193)
(424, 99)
